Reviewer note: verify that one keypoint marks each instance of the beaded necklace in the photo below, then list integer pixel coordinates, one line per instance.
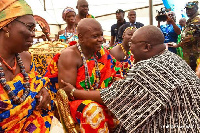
(87, 76)
(13, 69)
(124, 51)
(7, 88)
(69, 35)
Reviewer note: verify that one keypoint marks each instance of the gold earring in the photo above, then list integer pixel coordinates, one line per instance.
(7, 34)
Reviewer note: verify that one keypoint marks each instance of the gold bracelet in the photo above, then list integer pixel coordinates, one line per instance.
(46, 88)
(72, 94)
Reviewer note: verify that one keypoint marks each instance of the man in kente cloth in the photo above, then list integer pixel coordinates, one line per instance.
(87, 66)
(160, 93)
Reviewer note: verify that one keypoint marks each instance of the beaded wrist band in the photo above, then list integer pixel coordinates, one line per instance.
(72, 94)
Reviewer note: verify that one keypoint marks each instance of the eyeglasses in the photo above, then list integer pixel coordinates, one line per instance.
(152, 45)
(136, 42)
(30, 27)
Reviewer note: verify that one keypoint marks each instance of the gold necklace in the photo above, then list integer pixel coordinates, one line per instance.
(124, 51)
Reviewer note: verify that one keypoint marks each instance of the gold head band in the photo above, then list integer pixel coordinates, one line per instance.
(131, 28)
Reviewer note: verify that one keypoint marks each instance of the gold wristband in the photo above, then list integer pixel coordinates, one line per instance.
(72, 94)
(46, 88)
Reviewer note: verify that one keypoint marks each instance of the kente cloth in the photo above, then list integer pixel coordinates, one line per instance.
(23, 117)
(191, 49)
(159, 95)
(41, 62)
(127, 64)
(91, 116)
(89, 16)
(108, 67)
(10, 9)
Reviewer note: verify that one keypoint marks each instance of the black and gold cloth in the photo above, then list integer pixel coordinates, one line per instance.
(159, 95)
(44, 52)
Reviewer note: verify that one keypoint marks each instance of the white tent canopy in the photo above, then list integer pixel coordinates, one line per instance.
(54, 8)
(103, 10)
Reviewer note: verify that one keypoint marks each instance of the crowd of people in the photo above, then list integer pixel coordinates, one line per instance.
(144, 82)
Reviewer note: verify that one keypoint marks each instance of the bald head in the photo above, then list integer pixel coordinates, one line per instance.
(147, 42)
(82, 6)
(182, 22)
(130, 12)
(88, 25)
(79, 2)
(150, 34)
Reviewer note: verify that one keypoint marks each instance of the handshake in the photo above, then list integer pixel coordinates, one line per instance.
(171, 44)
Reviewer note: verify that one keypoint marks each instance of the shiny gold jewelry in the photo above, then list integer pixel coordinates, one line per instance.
(46, 88)
(7, 34)
(72, 93)
(124, 51)
(66, 119)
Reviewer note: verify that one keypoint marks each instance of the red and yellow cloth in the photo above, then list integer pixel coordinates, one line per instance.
(91, 116)
(11, 9)
(23, 117)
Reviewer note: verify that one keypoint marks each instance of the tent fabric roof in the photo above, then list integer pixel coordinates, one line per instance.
(54, 8)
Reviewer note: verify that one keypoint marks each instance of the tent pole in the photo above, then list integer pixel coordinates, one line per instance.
(150, 12)
(44, 5)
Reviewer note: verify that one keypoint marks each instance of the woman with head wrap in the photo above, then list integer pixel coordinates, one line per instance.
(121, 52)
(24, 100)
(68, 35)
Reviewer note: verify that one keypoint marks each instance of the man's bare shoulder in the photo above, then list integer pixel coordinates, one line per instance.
(70, 55)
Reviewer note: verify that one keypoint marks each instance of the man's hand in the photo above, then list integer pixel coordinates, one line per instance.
(170, 20)
(68, 88)
(43, 99)
(188, 38)
(171, 44)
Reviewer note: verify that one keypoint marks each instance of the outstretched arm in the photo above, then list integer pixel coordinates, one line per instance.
(176, 28)
(82, 94)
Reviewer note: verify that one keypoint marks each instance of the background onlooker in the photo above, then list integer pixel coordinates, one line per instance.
(83, 8)
(171, 30)
(69, 33)
(132, 23)
(115, 27)
(179, 50)
(190, 42)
